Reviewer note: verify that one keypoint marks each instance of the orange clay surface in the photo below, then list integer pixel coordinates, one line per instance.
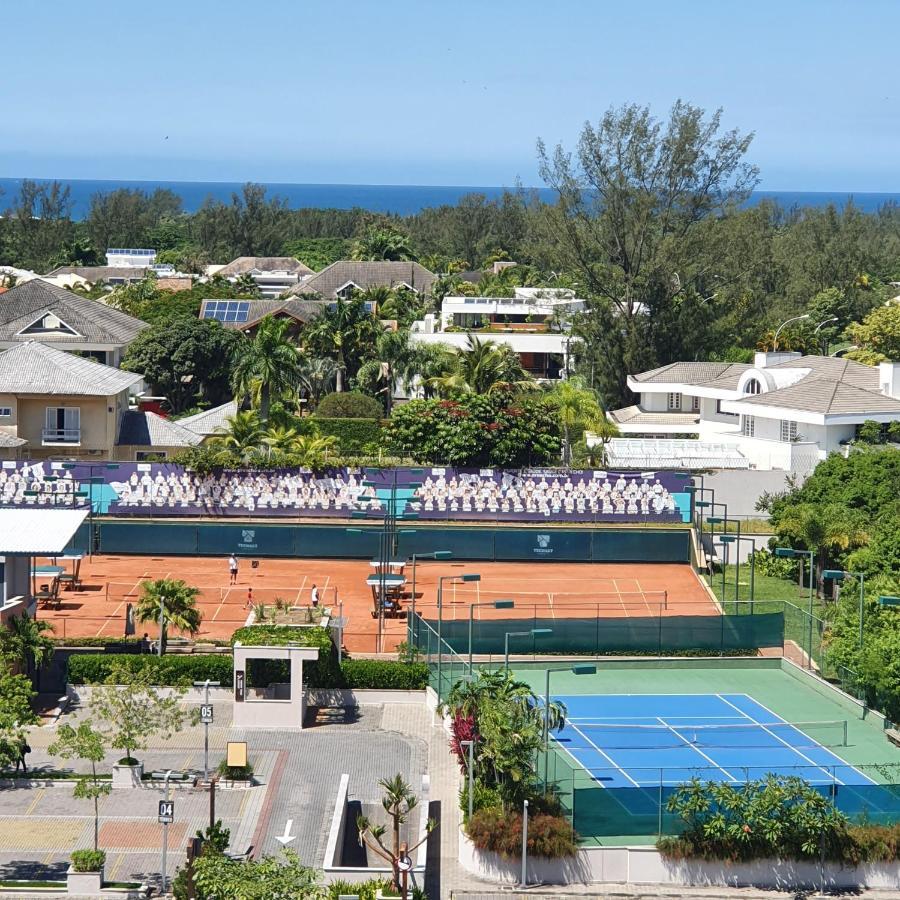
(556, 590)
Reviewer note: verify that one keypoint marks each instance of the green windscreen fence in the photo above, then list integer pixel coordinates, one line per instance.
(599, 634)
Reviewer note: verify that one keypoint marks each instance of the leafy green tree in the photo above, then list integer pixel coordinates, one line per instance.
(125, 217)
(877, 336)
(16, 714)
(632, 204)
(494, 429)
(86, 744)
(826, 530)
(39, 224)
(130, 711)
(316, 378)
(25, 640)
(269, 359)
(176, 599)
(318, 252)
(187, 360)
(243, 435)
(380, 242)
(270, 878)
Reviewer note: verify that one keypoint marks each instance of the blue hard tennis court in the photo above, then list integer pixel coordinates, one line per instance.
(644, 740)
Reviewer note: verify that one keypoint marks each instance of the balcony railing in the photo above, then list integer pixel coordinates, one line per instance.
(61, 436)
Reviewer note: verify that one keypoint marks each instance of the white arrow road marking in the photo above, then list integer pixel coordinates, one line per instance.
(287, 837)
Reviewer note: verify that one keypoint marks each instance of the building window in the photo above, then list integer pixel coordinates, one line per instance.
(674, 402)
(748, 426)
(5, 412)
(788, 430)
(722, 412)
(695, 404)
(753, 386)
(62, 425)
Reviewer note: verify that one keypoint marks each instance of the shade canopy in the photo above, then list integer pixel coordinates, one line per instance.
(38, 532)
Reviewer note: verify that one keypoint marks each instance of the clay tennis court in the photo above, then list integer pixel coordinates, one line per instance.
(561, 590)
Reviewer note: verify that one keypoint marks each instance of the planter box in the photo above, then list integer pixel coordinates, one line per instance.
(84, 883)
(127, 776)
(238, 784)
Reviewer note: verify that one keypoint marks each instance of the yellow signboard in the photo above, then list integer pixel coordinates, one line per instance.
(236, 753)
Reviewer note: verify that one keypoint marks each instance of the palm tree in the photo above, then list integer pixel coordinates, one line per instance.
(345, 331)
(382, 243)
(316, 377)
(242, 436)
(483, 367)
(825, 529)
(312, 450)
(269, 358)
(176, 599)
(25, 640)
(577, 407)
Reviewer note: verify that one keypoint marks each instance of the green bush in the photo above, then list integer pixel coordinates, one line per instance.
(167, 671)
(88, 860)
(354, 436)
(767, 563)
(234, 773)
(365, 890)
(349, 405)
(501, 832)
(483, 797)
(384, 674)
(773, 817)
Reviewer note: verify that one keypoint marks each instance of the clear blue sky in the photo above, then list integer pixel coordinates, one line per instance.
(427, 92)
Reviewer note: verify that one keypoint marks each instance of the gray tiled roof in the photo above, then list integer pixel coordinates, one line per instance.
(846, 370)
(94, 322)
(265, 264)
(634, 415)
(147, 429)
(827, 396)
(102, 273)
(366, 274)
(209, 421)
(695, 373)
(33, 368)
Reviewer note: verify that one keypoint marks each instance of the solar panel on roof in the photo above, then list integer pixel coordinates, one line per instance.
(226, 310)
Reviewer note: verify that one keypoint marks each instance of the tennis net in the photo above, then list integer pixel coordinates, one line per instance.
(582, 734)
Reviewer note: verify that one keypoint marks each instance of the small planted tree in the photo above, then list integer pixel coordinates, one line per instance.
(25, 640)
(16, 713)
(84, 743)
(398, 802)
(177, 601)
(130, 711)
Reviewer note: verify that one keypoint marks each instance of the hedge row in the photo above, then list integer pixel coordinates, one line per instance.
(361, 674)
(90, 668)
(353, 435)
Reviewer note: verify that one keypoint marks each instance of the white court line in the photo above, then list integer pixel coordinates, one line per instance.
(612, 761)
(812, 762)
(695, 749)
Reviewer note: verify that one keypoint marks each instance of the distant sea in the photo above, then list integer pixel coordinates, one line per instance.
(385, 198)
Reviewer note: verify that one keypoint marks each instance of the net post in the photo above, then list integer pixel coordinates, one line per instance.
(666, 598)
(846, 730)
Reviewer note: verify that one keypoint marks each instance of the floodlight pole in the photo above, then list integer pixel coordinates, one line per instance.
(165, 837)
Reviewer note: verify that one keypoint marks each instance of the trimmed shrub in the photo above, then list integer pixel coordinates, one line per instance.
(234, 773)
(384, 674)
(349, 405)
(499, 831)
(88, 860)
(167, 671)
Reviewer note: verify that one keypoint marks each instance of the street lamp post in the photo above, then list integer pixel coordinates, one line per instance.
(436, 554)
(467, 577)
(533, 632)
(736, 539)
(838, 575)
(577, 669)
(781, 327)
(497, 604)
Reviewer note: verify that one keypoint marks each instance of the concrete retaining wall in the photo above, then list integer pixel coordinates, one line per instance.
(645, 865)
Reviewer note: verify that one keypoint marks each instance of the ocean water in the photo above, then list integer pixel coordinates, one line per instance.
(386, 198)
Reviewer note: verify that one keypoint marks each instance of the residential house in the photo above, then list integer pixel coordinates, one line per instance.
(273, 274)
(247, 314)
(145, 435)
(783, 411)
(342, 278)
(38, 311)
(56, 404)
(210, 422)
(534, 322)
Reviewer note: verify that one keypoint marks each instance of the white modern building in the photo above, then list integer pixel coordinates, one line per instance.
(534, 322)
(130, 257)
(783, 411)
